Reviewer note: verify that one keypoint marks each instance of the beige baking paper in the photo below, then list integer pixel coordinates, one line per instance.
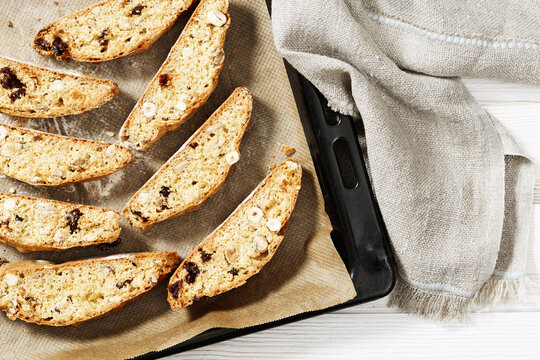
(305, 274)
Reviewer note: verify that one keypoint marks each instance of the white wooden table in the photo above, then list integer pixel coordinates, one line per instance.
(373, 331)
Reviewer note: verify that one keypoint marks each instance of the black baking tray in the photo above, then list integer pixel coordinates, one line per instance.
(359, 234)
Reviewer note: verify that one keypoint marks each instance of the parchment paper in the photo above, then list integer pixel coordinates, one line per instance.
(306, 272)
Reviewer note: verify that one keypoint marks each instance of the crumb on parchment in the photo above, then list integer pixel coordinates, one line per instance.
(287, 150)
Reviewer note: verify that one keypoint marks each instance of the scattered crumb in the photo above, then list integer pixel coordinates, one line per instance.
(55, 3)
(109, 133)
(38, 19)
(10, 24)
(287, 150)
(271, 167)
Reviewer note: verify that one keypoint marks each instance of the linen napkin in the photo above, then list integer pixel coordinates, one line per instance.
(454, 189)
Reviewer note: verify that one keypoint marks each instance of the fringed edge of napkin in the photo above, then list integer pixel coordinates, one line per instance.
(442, 305)
(432, 304)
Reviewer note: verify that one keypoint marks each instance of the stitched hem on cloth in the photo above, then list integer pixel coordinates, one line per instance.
(509, 274)
(438, 287)
(451, 39)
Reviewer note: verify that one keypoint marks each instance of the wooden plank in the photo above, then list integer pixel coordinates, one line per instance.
(491, 91)
(387, 336)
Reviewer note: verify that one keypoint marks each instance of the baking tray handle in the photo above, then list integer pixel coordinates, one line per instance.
(359, 232)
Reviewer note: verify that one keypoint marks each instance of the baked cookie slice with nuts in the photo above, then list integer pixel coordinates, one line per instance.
(109, 30)
(198, 168)
(33, 224)
(243, 244)
(40, 158)
(34, 92)
(185, 80)
(70, 293)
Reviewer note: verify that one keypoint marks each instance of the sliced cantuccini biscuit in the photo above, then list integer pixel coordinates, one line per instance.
(32, 224)
(70, 293)
(186, 79)
(40, 158)
(34, 92)
(109, 30)
(243, 244)
(198, 169)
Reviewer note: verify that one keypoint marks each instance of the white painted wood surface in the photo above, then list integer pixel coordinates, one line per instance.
(373, 331)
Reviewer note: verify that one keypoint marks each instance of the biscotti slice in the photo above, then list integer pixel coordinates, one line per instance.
(32, 224)
(40, 158)
(198, 169)
(34, 92)
(243, 244)
(185, 80)
(70, 293)
(109, 30)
